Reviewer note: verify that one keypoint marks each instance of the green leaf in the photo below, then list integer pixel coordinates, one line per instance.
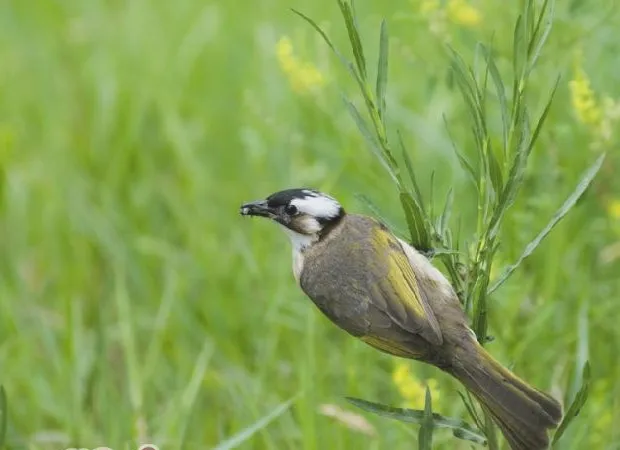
(501, 95)
(425, 435)
(3, 417)
(369, 137)
(319, 30)
(576, 405)
(471, 410)
(382, 70)
(464, 162)
(495, 171)
(518, 51)
(420, 237)
(345, 62)
(354, 37)
(536, 43)
(376, 211)
(490, 431)
(515, 176)
(543, 116)
(445, 215)
(251, 430)
(470, 93)
(586, 180)
(460, 428)
(411, 173)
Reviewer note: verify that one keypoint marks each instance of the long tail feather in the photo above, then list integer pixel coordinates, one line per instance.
(523, 413)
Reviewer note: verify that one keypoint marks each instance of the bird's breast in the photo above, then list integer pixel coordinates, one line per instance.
(298, 263)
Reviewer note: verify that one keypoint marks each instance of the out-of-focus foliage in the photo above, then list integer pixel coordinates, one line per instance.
(136, 305)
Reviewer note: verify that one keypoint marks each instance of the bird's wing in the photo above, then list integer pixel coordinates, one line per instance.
(398, 294)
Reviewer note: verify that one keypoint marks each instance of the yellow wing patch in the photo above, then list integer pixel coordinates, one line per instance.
(405, 303)
(391, 347)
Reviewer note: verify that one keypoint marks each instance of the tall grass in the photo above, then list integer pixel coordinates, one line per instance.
(136, 307)
(496, 173)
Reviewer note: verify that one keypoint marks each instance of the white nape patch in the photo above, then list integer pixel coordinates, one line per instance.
(423, 267)
(317, 205)
(299, 242)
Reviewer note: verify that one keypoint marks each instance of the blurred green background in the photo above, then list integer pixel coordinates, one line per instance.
(136, 305)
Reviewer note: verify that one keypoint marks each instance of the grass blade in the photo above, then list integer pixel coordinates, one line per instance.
(463, 161)
(517, 64)
(539, 42)
(249, 431)
(576, 405)
(442, 222)
(354, 37)
(3, 416)
(425, 435)
(460, 428)
(495, 171)
(322, 33)
(191, 392)
(411, 173)
(500, 89)
(585, 181)
(382, 69)
(420, 237)
(469, 405)
(345, 62)
(370, 139)
(379, 214)
(543, 116)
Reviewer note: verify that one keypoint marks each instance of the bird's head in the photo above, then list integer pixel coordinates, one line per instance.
(304, 213)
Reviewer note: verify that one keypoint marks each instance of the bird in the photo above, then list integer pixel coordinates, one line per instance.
(378, 288)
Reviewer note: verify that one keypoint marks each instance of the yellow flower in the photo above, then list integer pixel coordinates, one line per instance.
(583, 98)
(302, 76)
(613, 209)
(412, 390)
(463, 13)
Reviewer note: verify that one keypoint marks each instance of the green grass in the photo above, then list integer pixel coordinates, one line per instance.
(136, 305)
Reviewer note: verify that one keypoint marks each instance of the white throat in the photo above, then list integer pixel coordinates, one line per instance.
(299, 243)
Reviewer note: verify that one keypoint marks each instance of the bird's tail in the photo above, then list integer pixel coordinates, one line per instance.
(522, 412)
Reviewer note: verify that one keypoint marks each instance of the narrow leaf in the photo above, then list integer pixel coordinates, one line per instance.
(490, 431)
(411, 173)
(382, 70)
(517, 57)
(495, 171)
(3, 417)
(425, 435)
(469, 405)
(544, 114)
(445, 215)
(568, 204)
(501, 95)
(354, 37)
(319, 30)
(575, 407)
(460, 428)
(376, 211)
(345, 62)
(420, 237)
(369, 137)
(463, 161)
(540, 42)
(249, 431)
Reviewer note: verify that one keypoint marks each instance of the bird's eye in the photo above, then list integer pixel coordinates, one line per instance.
(291, 210)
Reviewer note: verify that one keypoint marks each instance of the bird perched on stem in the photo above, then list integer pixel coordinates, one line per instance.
(383, 291)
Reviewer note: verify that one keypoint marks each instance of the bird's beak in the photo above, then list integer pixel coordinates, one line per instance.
(257, 208)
